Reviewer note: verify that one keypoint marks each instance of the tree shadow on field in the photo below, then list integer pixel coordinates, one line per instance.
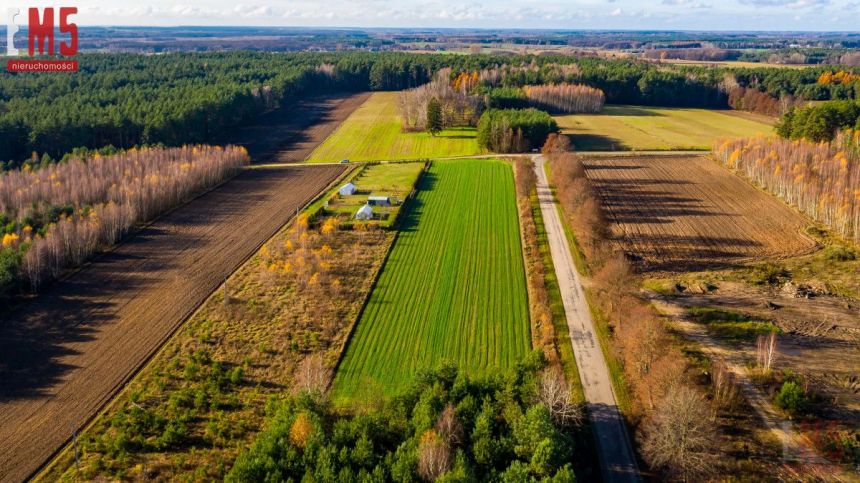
(597, 142)
(609, 167)
(283, 134)
(412, 211)
(666, 226)
(454, 136)
(630, 111)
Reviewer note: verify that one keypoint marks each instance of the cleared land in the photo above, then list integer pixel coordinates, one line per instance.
(63, 356)
(452, 288)
(677, 213)
(291, 133)
(373, 132)
(640, 128)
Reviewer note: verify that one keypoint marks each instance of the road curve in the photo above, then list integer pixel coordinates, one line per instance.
(617, 461)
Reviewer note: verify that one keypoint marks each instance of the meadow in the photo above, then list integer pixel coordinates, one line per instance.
(373, 132)
(641, 128)
(453, 287)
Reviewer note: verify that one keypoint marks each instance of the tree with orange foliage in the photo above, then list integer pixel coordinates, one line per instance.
(822, 180)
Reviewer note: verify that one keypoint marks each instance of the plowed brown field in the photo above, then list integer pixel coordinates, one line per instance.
(65, 354)
(676, 213)
(291, 133)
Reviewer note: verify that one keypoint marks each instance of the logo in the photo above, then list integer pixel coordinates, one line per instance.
(42, 40)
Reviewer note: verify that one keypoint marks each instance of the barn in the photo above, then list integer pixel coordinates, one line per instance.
(347, 189)
(364, 213)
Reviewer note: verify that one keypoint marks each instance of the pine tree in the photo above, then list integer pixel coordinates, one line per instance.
(434, 116)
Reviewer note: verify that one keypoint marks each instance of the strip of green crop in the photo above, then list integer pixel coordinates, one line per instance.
(453, 287)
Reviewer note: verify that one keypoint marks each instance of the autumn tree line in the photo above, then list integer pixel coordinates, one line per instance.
(673, 415)
(820, 179)
(464, 97)
(502, 115)
(185, 98)
(540, 313)
(56, 217)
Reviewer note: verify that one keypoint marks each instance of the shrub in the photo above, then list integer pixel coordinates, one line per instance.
(840, 253)
(770, 274)
(791, 398)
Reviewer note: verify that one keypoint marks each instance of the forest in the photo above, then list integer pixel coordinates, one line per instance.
(819, 123)
(187, 98)
(446, 427)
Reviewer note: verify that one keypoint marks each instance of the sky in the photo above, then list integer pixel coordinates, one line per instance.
(817, 15)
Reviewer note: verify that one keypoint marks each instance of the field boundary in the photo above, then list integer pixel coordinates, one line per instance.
(113, 398)
(348, 339)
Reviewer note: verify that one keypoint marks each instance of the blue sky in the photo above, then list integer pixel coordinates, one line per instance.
(573, 14)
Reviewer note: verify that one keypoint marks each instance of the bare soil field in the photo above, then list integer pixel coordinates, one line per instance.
(291, 133)
(679, 213)
(65, 354)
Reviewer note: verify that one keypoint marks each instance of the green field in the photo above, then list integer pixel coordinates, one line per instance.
(453, 287)
(622, 128)
(395, 180)
(373, 132)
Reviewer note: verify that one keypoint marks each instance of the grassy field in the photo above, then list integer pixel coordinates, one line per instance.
(621, 128)
(453, 287)
(394, 180)
(373, 132)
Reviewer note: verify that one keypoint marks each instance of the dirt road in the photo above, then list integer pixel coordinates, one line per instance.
(617, 460)
(797, 448)
(65, 354)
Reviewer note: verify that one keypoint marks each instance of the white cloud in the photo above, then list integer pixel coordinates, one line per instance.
(595, 14)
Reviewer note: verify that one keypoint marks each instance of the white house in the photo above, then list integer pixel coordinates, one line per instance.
(347, 189)
(364, 213)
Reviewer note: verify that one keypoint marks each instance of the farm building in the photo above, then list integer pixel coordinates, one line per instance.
(379, 201)
(364, 213)
(347, 189)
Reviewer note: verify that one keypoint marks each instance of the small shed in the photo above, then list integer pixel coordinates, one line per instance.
(364, 213)
(379, 201)
(347, 189)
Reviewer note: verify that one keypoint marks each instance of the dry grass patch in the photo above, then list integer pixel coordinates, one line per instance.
(203, 398)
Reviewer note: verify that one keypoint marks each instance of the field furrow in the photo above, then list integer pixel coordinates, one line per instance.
(686, 212)
(453, 287)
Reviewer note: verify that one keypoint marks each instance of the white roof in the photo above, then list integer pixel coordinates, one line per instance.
(378, 198)
(348, 185)
(365, 210)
